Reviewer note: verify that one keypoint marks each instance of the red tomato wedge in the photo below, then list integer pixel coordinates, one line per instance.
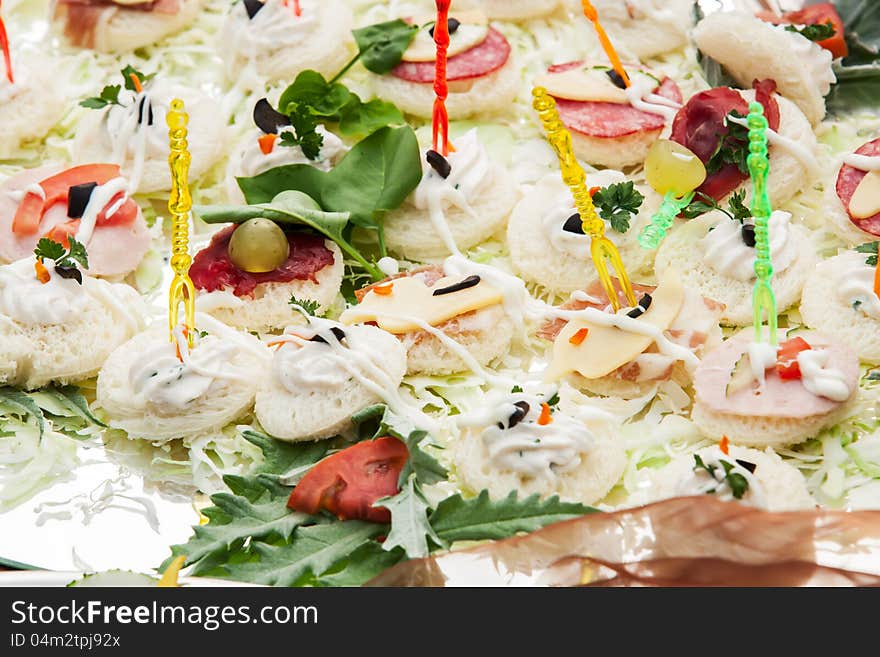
(31, 209)
(786, 359)
(348, 483)
(824, 12)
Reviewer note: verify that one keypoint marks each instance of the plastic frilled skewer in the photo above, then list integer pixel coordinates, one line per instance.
(593, 16)
(4, 46)
(601, 248)
(180, 204)
(439, 116)
(763, 299)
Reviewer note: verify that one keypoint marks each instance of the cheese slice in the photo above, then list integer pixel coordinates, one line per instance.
(607, 347)
(865, 202)
(472, 32)
(411, 298)
(592, 84)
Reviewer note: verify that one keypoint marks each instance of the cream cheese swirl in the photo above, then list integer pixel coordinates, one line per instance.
(24, 299)
(725, 251)
(255, 162)
(855, 284)
(471, 172)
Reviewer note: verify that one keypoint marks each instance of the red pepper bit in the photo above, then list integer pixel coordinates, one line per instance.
(4, 44)
(593, 191)
(580, 336)
(267, 142)
(439, 116)
(384, 290)
(546, 416)
(723, 445)
(42, 273)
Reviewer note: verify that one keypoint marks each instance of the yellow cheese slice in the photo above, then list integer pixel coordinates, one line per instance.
(472, 32)
(591, 84)
(411, 298)
(865, 202)
(607, 347)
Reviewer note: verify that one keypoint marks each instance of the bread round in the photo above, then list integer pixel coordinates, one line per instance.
(206, 138)
(325, 48)
(614, 153)
(823, 309)
(123, 30)
(485, 333)
(225, 401)
(839, 221)
(76, 349)
(600, 469)
(409, 231)
(535, 258)
(782, 486)
(752, 49)
(36, 106)
(317, 413)
(268, 308)
(681, 251)
(511, 10)
(489, 94)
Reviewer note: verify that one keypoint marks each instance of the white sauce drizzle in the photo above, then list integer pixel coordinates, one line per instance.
(855, 284)
(819, 379)
(641, 96)
(701, 482)
(799, 152)
(255, 162)
(863, 162)
(762, 355)
(388, 266)
(100, 198)
(725, 251)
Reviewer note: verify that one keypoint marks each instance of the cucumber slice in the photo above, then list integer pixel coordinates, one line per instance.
(741, 377)
(113, 578)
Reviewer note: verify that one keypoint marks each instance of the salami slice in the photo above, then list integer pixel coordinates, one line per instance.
(480, 60)
(699, 126)
(848, 180)
(611, 120)
(780, 398)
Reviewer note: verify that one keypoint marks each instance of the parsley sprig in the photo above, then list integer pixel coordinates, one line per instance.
(308, 306)
(703, 203)
(617, 203)
(110, 94)
(815, 32)
(738, 484)
(64, 258)
(870, 248)
(733, 147)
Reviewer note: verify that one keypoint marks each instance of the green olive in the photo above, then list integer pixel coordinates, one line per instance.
(258, 246)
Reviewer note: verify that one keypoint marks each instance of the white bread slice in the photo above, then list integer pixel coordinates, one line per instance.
(510, 10)
(535, 259)
(783, 487)
(409, 231)
(38, 104)
(327, 48)
(124, 30)
(752, 49)
(490, 94)
(822, 308)
(269, 307)
(75, 350)
(486, 334)
(225, 401)
(600, 469)
(681, 251)
(314, 414)
(645, 28)
(838, 219)
(614, 153)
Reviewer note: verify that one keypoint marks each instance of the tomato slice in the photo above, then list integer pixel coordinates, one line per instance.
(786, 359)
(348, 483)
(32, 208)
(824, 12)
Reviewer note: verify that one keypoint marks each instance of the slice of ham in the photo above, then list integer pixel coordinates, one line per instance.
(611, 120)
(114, 250)
(699, 126)
(82, 17)
(848, 180)
(477, 62)
(779, 398)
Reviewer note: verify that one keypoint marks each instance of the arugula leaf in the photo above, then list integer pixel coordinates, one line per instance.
(280, 457)
(308, 306)
(365, 563)
(815, 32)
(410, 528)
(109, 96)
(857, 86)
(22, 405)
(617, 203)
(312, 551)
(871, 248)
(733, 147)
(480, 518)
(73, 399)
(381, 46)
(861, 22)
(714, 73)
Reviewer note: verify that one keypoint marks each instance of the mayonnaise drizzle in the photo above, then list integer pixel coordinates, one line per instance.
(820, 380)
(863, 162)
(641, 96)
(762, 355)
(701, 482)
(255, 162)
(131, 135)
(804, 155)
(100, 198)
(725, 251)
(855, 284)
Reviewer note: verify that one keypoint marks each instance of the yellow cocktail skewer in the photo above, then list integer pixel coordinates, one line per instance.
(601, 248)
(180, 204)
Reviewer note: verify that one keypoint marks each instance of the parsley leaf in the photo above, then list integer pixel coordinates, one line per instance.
(77, 251)
(109, 96)
(308, 306)
(49, 250)
(815, 32)
(64, 258)
(617, 203)
(130, 70)
(304, 133)
(733, 147)
(737, 483)
(871, 248)
(738, 209)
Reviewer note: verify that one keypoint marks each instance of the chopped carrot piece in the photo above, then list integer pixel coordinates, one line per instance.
(384, 290)
(177, 344)
(580, 336)
(136, 81)
(42, 273)
(724, 445)
(593, 190)
(267, 142)
(546, 416)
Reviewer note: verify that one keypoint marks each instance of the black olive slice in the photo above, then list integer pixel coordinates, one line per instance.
(338, 332)
(574, 224)
(616, 78)
(70, 272)
(522, 409)
(751, 467)
(748, 235)
(253, 7)
(644, 304)
(267, 119)
(78, 198)
(452, 25)
(470, 281)
(141, 111)
(439, 163)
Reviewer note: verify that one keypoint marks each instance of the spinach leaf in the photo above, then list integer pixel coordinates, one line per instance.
(381, 46)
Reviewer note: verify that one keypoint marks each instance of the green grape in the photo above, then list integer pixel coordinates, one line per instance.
(258, 246)
(670, 167)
